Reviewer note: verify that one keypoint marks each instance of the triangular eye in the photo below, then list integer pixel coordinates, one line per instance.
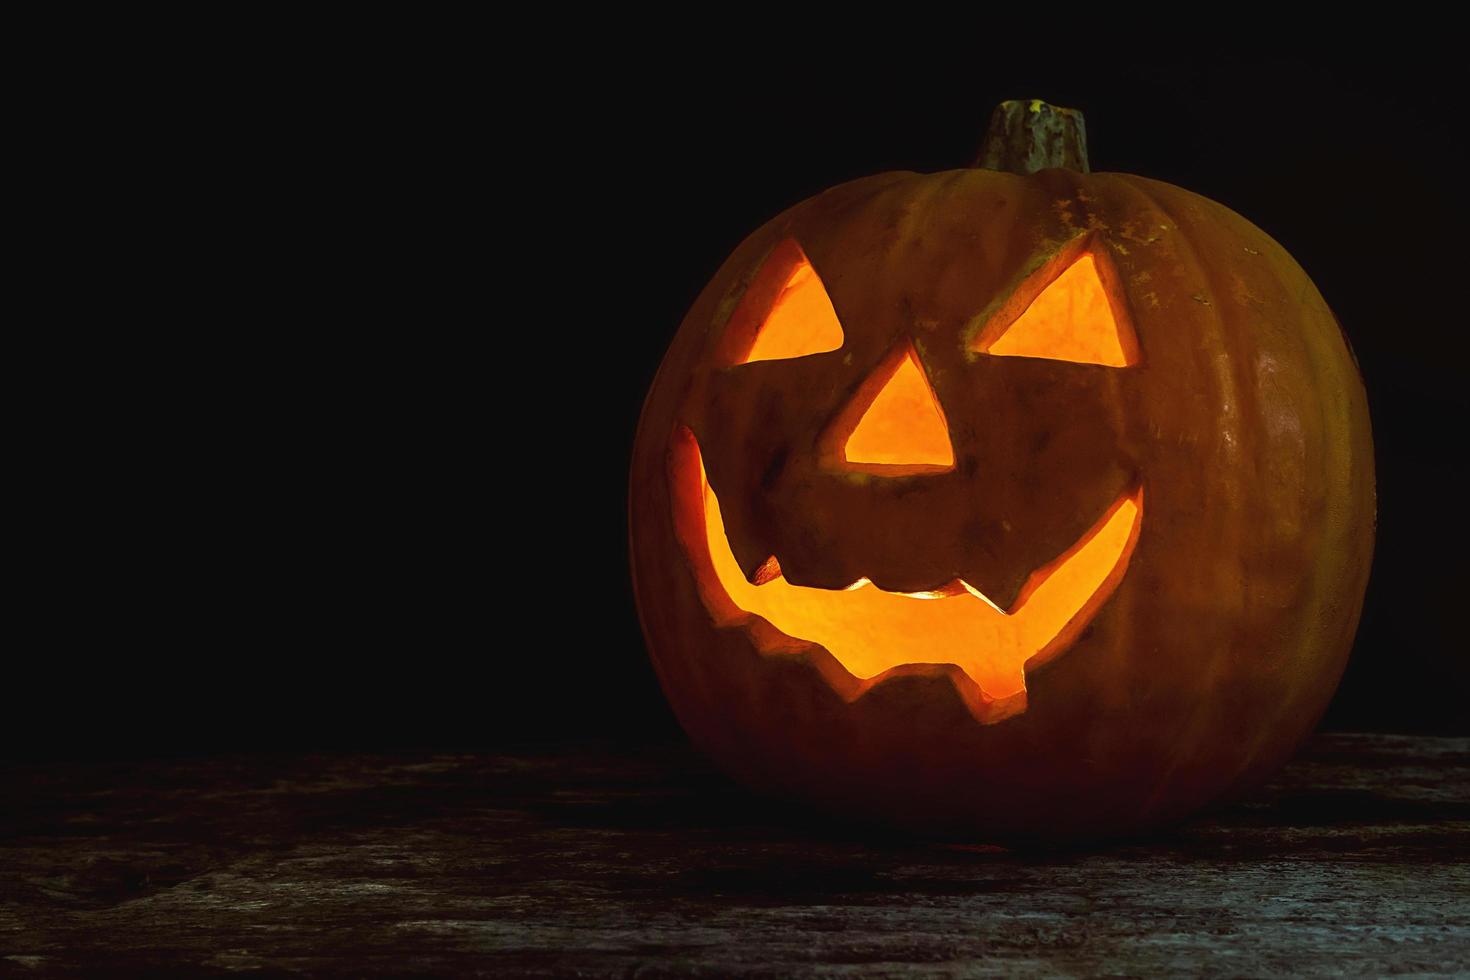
(1078, 315)
(784, 313)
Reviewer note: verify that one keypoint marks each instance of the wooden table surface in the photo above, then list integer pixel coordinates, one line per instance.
(643, 862)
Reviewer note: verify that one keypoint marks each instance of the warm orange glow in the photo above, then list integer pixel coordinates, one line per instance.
(903, 425)
(870, 631)
(800, 322)
(1072, 320)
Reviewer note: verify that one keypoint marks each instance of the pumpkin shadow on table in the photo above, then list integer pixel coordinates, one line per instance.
(677, 792)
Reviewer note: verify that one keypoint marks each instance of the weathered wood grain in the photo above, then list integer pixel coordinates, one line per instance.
(645, 863)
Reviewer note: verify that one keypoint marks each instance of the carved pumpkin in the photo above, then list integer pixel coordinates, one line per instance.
(1032, 505)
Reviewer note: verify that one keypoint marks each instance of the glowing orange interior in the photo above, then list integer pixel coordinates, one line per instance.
(870, 631)
(1072, 320)
(800, 322)
(904, 424)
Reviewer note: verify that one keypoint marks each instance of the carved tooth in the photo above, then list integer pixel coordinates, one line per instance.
(770, 570)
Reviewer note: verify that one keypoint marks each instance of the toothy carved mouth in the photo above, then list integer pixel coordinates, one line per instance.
(873, 633)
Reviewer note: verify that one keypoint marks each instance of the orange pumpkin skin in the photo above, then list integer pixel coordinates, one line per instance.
(1245, 423)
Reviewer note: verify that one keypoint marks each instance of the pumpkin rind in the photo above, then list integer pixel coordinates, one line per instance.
(1245, 422)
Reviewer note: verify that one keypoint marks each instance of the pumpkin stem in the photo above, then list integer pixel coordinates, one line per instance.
(1027, 135)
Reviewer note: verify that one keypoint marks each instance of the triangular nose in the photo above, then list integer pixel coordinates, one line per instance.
(902, 431)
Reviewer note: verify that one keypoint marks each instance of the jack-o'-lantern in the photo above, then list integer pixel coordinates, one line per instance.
(1017, 501)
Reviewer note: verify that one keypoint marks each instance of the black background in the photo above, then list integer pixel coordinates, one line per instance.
(391, 511)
